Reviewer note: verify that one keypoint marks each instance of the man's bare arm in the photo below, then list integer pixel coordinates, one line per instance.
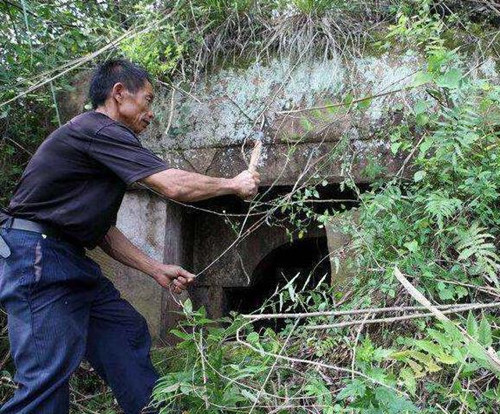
(189, 186)
(116, 245)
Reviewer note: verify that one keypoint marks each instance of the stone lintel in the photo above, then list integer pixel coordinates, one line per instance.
(283, 164)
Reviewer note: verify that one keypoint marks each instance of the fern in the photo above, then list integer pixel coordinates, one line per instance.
(474, 245)
(440, 206)
(422, 30)
(456, 133)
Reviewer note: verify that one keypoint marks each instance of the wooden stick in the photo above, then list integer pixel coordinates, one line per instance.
(417, 315)
(489, 354)
(255, 157)
(355, 311)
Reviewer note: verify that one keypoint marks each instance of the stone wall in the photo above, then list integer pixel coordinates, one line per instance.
(205, 127)
(142, 219)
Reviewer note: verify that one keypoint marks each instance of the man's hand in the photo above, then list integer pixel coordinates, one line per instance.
(246, 184)
(173, 277)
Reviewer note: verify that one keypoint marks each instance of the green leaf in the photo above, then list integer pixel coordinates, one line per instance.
(450, 79)
(420, 107)
(484, 333)
(188, 306)
(253, 337)
(348, 99)
(409, 380)
(412, 246)
(429, 347)
(452, 331)
(427, 360)
(365, 104)
(400, 355)
(306, 124)
(355, 389)
(447, 359)
(417, 368)
(445, 292)
(441, 338)
(419, 176)
(391, 402)
(395, 147)
(477, 351)
(421, 78)
(472, 327)
(425, 145)
(181, 335)
(422, 119)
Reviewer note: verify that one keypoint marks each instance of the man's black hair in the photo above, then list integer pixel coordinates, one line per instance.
(113, 71)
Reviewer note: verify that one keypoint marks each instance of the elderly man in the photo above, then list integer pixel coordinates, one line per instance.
(60, 307)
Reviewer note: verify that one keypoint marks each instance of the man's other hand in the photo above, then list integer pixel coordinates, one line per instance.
(174, 278)
(246, 184)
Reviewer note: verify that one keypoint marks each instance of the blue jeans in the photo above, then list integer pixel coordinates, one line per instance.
(60, 310)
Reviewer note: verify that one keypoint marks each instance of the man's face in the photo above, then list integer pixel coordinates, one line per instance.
(134, 109)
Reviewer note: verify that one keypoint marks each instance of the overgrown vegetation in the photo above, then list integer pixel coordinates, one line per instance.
(437, 225)
(372, 348)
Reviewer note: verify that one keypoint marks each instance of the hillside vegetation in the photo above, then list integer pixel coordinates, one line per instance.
(416, 329)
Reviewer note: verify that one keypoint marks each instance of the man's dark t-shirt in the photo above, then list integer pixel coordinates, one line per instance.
(77, 178)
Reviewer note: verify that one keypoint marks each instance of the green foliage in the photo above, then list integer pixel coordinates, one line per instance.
(476, 251)
(218, 11)
(438, 221)
(314, 6)
(216, 373)
(376, 400)
(162, 53)
(38, 39)
(418, 29)
(440, 225)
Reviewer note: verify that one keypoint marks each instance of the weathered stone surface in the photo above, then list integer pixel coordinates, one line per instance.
(340, 248)
(228, 103)
(177, 250)
(142, 219)
(206, 130)
(208, 127)
(282, 164)
(236, 266)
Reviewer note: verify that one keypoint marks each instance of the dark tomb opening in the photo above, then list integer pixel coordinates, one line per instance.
(307, 257)
(224, 287)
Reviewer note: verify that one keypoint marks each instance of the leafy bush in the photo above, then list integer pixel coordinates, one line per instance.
(437, 221)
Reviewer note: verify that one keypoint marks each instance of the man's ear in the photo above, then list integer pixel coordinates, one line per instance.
(118, 92)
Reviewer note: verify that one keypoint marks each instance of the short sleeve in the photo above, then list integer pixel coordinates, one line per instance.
(117, 148)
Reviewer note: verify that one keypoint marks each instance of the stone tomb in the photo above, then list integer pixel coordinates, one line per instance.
(205, 128)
